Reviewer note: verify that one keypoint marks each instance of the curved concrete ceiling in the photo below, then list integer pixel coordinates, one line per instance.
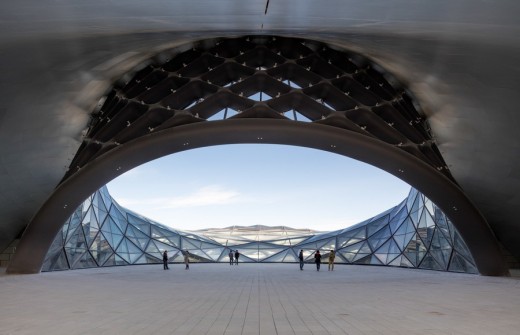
(458, 58)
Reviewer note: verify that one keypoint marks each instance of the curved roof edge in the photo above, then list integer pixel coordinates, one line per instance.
(449, 197)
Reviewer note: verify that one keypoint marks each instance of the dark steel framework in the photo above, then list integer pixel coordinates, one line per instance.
(253, 89)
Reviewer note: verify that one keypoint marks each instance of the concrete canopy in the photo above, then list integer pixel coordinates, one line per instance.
(458, 59)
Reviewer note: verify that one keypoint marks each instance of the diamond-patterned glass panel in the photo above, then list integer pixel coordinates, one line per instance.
(423, 239)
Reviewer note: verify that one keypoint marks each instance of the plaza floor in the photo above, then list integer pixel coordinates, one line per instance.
(257, 299)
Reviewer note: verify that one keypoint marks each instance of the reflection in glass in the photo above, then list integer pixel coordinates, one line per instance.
(413, 234)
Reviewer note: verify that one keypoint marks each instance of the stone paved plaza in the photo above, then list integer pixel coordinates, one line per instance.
(258, 299)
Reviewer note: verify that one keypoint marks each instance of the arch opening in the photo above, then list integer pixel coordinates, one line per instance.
(351, 106)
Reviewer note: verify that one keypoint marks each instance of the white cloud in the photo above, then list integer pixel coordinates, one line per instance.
(208, 195)
(205, 196)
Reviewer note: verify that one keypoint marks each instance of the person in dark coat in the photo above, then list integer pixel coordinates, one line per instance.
(165, 260)
(317, 259)
(300, 256)
(237, 254)
(230, 257)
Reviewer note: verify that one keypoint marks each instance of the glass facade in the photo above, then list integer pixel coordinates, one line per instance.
(413, 234)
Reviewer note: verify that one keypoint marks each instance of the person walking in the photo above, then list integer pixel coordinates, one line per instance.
(230, 256)
(187, 259)
(237, 254)
(165, 260)
(317, 260)
(300, 256)
(332, 255)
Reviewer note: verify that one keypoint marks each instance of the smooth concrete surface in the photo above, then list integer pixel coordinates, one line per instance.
(258, 299)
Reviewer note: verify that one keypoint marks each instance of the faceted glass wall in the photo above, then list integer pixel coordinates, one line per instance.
(414, 234)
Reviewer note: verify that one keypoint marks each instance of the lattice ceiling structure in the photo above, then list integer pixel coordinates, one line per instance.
(259, 77)
(414, 234)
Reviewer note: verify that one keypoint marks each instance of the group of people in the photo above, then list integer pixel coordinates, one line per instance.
(317, 260)
(186, 260)
(233, 257)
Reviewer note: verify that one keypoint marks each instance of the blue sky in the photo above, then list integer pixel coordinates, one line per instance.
(248, 184)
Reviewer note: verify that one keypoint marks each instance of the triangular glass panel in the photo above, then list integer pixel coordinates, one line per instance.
(260, 96)
(300, 117)
(416, 210)
(348, 256)
(188, 244)
(379, 238)
(231, 112)
(140, 224)
(56, 246)
(77, 239)
(60, 262)
(292, 84)
(403, 240)
(375, 225)
(363, 251)
(147, 259)
(100, 248)
(119, 260)
(397, 220)
(277, 258)
(290, 257)
(390, 247)
(118, 218)
(156, 249)
(460, 264)
(412, 197)
(414, 250)
(214, 253)
(290, 114)
(262, 254)
(107, 199)
(113, 239)
(101, 216)
(429, 262)
(137, 236)
(84, 262)
(351, 237)
(406, 228)
(74, 255)
(199, 256)
(327, 244)
(381, 257)
(220, 115)
(429, 206)
(56, 261)
(438, 255)
(375, 261)
(110, 261)
(396, 261)
(460, 246)
(406, 262)
(426, 220)
(363, 260)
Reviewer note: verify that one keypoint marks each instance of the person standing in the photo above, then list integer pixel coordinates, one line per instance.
(237, 254)
(230, 256)
(317, 260)
(187, 259)
(165, 260)
(300, 256)
(332, 255)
